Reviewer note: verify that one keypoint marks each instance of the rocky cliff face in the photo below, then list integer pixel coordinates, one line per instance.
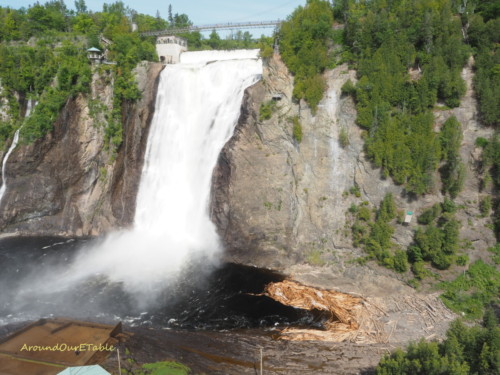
(296, 206)
(278, 202)
(282, 204)
(67, 183)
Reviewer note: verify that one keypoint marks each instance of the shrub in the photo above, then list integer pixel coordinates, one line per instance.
(481, 142)
(343, 138)
(400, 261)
(297, 130)
(364, 213)
(354, 190)
(266, 110)
(429, 215)
(448, 206)
(376, 236)
(348, 88)
(387, 210)
(462, 260)
(313, 89)
(164, 368)
(441, 261)
(450, 237)
(418, 269)
(472, 290)
(414, 254)
(496, 253)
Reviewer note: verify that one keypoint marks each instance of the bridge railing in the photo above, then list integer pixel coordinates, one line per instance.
(218, 26)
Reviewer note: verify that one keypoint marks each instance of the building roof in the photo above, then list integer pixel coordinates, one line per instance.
(49, 333)
(93, 49)
(84, 370)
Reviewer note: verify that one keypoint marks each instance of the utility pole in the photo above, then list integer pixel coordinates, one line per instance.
(261, 373)
(119, 366)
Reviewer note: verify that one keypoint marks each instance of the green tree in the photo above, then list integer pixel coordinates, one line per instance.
(465, 351)
(80, 6)
(304, 48)
(453, 172)
(214, 40)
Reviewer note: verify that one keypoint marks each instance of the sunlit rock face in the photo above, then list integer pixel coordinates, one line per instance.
(69, 183)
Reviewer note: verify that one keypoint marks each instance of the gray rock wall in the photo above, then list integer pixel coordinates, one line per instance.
(278, 202)
(68, 183)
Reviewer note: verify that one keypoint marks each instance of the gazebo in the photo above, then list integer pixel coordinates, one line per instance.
(94, 55)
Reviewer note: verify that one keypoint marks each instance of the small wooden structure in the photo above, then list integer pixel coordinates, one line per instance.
(408, 217)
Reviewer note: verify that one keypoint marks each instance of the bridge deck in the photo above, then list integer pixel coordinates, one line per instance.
(218, 26)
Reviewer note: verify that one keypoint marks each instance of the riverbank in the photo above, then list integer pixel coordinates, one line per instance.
(238, 353)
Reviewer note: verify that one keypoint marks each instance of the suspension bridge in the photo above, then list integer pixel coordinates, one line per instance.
(217, 26)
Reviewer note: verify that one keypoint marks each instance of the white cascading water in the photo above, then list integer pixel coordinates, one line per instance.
(197, 107)
(13, 145)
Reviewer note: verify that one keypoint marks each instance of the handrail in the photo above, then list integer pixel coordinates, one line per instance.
(220, 26)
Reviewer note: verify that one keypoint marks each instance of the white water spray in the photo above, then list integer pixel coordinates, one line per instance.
(13, 145)
(197, 108)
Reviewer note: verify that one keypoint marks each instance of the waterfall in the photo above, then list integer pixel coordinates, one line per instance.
(197, 107)
(13, 145)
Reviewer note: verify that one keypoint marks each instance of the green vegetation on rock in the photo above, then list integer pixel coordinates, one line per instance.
(266, 110)
(304, 42)
(375, 235)
(453, 171)
(470, 292)
(438, 241)
(297, 129)
(53, 67)
(483, 21)
(407, 59)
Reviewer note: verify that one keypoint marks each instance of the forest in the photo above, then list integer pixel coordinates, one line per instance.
(43, 57)
(409, 56)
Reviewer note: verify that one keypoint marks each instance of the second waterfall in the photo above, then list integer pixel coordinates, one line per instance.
(197, 107)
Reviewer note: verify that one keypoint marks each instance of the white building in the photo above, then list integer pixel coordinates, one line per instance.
(169, 48)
